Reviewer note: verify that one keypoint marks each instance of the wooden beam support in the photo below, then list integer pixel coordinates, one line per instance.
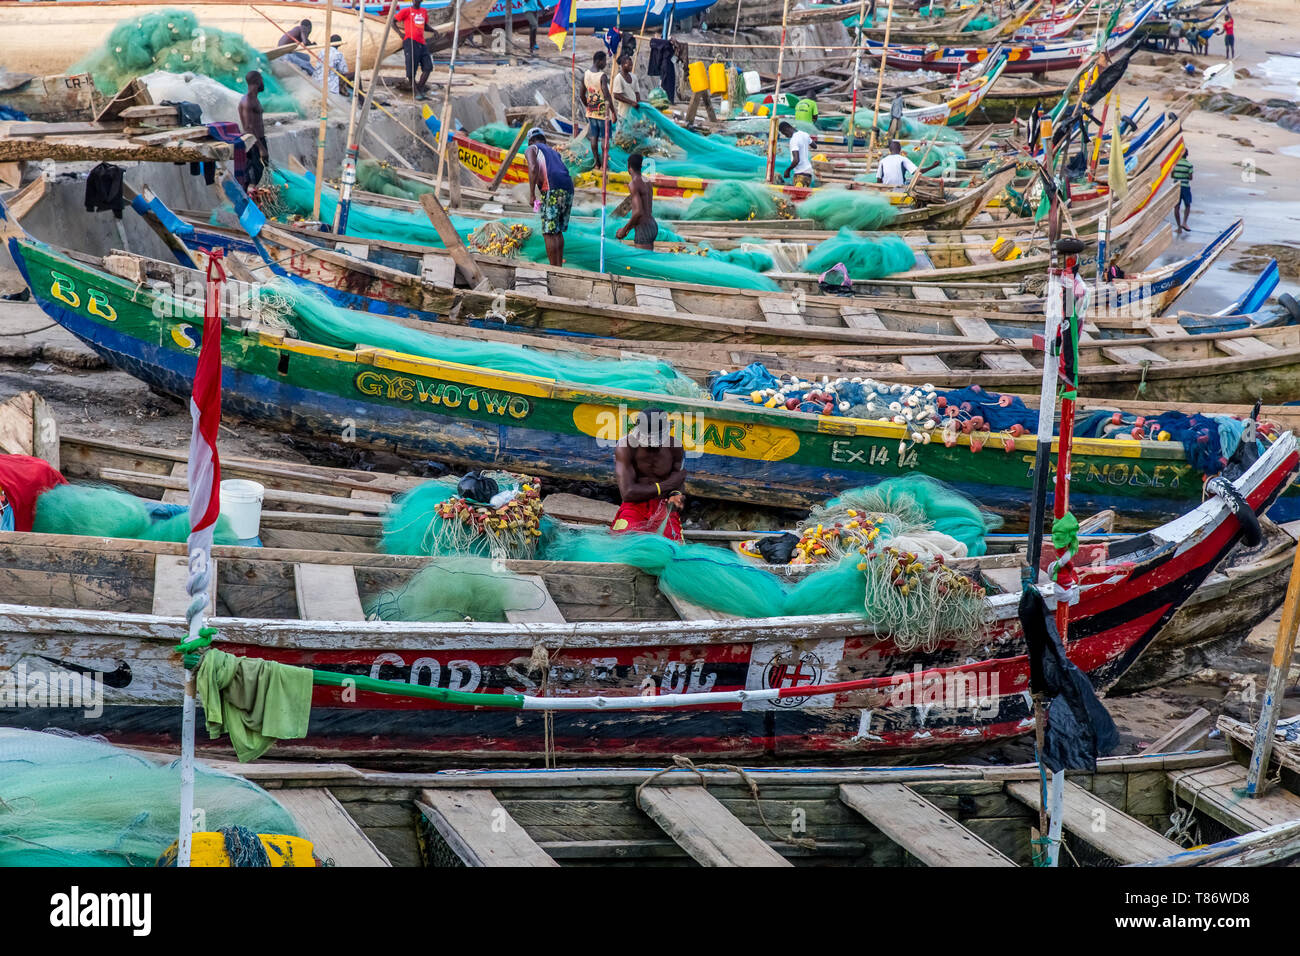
(1122, 838)
(479, 830)
(919, 827)
(334, 834)
(705, 829)
(451, 239)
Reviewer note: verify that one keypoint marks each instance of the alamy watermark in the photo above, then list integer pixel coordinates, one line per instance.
(22, 687)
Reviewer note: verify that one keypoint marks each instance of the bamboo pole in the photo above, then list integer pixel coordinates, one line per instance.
(324, 111)
(880, 83)
(736, 26)
(444, 128)
(1278, 669)
(857, 67)
(776, 93)
(348, 177)
(354, 141)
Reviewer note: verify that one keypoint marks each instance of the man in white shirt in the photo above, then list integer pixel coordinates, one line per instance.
(894, 168)
(800, 155)
(337, 64)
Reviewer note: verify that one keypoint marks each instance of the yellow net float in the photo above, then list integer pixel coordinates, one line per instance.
(1004, 250)
(209, 849)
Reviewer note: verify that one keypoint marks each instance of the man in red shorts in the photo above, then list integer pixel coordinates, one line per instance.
(22, 480)
(649, 467)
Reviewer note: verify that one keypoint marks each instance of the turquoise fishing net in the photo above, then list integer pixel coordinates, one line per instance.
(377, 177)
(733, 201)
(581, 241)
(315, 319)
(76, 801)
(712, 577)
(173, 40)
(103, 512)
(495, 134)
(865, 258)
(457, 589)
(676, 151)
(919, 501)
(980, 23)
(847, 209)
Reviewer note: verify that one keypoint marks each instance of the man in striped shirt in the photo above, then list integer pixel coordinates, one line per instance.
(1182, 175)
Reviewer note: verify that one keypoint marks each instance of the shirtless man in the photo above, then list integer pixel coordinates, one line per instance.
(649, 467)
(250, 121)
(642, 218)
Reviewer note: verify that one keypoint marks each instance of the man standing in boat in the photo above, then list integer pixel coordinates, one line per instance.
(649, 465)
(642, 218)
(599, 103)
(413, 19)
(252, 123)
(800, 155)
(548, 175)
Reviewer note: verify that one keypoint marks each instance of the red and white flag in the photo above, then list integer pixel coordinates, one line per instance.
(205, 410)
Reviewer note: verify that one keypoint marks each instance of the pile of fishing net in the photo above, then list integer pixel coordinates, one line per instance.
(495, 514)
(77, 801)
(499, 239)
(858, 209)
(735, 201)
(918, 600)
(914, 512)
(173, 40)
(495, 134)
(103, 512)
(375, 176)
(980, 23)
(457, 589)
(314, 318)
(678, 151)
(1209, 441)
(863, 257)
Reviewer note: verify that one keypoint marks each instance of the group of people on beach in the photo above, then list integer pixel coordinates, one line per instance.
(1198, 41)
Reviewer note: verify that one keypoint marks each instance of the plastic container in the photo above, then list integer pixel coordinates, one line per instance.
(698, 77)
(241, 503)
(752, 82)
(718, 78)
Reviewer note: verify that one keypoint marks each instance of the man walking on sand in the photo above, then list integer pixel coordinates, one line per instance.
(1182, 175)
(1229, 38)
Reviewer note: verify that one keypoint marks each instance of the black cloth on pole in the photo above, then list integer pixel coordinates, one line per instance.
(1078, 727)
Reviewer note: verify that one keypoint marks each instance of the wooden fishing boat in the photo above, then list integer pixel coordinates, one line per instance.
(315, 508)
(50, 99)
(1128, 304)
(419, 406)
(1037, 57)
(484, 161)
(947, 261)
(1129, 591)
(950, 815)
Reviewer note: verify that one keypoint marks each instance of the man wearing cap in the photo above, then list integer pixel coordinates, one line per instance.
(548, 175)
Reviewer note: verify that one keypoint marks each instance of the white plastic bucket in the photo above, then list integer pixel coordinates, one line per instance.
(752, 83)
(241, 503)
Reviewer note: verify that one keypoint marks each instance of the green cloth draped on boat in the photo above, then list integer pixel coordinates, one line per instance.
(255, 701)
